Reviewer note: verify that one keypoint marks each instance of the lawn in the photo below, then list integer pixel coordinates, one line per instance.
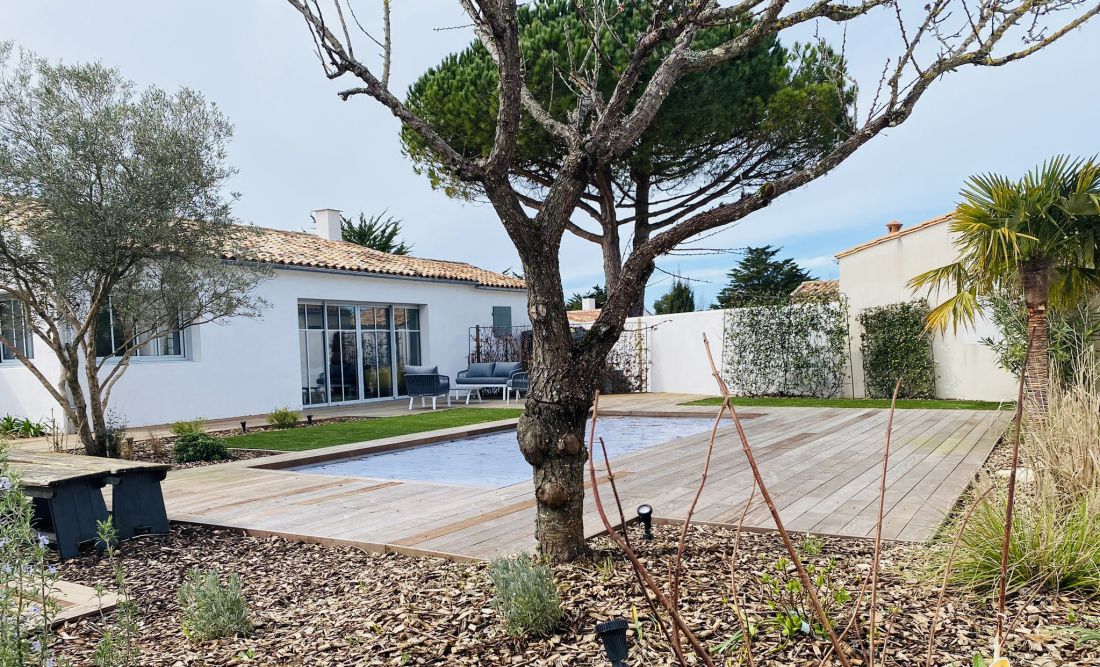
(341, 433)
(903, 403)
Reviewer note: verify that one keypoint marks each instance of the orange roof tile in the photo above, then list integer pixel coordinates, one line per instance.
(583, 316)
(903, 232)
(825, 288)
(284, 248)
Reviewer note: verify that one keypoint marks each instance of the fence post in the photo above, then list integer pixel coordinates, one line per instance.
(477, 342)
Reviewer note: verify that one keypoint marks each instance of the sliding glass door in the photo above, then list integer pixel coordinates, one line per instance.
(377, 351)
(355, 352)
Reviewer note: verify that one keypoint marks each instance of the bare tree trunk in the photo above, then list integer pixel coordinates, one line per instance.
(1037, 368)
(551, 429)
(78, 406)
(1035, 276)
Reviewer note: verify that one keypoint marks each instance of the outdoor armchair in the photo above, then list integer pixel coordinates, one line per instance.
(520, 381)
(425, 381)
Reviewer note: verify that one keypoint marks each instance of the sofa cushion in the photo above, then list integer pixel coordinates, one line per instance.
(504, 369)
(480, 370)
(421, 370)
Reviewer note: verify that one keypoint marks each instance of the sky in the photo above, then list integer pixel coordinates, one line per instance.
(298, 147)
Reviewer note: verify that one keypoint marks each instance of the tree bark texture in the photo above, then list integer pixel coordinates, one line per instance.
(1035, 277)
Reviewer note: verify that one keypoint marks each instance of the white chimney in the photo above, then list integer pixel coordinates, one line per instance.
(327, 222)
(588, 303)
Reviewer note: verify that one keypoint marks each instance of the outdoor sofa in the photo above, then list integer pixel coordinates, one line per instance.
(507, 376)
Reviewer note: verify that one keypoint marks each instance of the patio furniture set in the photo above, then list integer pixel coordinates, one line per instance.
(426, 382)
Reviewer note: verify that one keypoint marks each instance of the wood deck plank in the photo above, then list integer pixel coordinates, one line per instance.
(821, 465)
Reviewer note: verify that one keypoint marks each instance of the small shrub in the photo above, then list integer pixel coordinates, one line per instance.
(189, 427)
(283, 418)
(210, 610)
(786, 597)
(200, 447)
(21, 427)
(527, 597)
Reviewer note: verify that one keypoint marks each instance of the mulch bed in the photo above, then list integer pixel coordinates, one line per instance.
(162, 453)
(315, 605)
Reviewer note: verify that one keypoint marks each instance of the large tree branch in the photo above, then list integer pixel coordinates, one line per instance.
(340, 61)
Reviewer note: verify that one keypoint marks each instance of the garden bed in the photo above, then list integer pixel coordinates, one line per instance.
(315, 605)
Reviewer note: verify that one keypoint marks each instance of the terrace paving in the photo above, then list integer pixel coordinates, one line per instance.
(822, 466)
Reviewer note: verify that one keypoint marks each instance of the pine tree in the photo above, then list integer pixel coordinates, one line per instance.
(761, 279)
(375, 232)
(679, 299)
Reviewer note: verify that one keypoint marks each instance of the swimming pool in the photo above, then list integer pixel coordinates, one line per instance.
(493, 460)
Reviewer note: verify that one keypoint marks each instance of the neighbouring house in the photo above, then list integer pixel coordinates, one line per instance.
(817, 289)
(876, 273)
(342, 323)
(586, 315)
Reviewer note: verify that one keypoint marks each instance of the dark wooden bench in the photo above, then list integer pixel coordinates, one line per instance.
(68, 501)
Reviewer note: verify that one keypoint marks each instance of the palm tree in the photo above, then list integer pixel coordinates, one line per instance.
(1041, 235)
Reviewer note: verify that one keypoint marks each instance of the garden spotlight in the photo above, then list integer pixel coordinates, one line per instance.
(645, 515)
(613, 636)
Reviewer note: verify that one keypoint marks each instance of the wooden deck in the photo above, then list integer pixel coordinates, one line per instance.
(822, 466)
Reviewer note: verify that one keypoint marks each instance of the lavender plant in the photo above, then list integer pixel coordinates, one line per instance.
(26, 578)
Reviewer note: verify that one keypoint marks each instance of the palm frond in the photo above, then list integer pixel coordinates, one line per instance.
(954, 275)
(962, 308)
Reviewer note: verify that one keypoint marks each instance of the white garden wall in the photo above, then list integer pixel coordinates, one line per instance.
(247, 367)
(877, 275)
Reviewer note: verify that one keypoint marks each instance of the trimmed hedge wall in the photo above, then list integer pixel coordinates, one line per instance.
(896, 345)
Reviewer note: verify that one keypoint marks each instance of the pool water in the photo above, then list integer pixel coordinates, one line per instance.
(493, 460)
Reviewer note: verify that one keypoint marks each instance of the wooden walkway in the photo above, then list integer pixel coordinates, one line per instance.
(822, 466)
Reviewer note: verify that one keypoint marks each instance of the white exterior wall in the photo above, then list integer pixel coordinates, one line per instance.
(877, 276)
(247, 367)
(678, 360)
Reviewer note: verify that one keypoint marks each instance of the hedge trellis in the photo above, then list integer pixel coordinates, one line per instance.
(798, 348)
(896, 344)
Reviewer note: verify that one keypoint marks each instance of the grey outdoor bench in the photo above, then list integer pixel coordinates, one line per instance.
(68, 501)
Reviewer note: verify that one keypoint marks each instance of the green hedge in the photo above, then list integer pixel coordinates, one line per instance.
(896, 345)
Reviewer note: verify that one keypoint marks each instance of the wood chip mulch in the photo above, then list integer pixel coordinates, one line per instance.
(315, 605)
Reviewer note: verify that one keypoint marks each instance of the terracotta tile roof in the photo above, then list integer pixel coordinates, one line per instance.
(817, 288)
(583, 316)
(283, 248)
(903, 232)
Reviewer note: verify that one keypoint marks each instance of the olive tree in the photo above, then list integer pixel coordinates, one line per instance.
(113, 223)
(604, 124)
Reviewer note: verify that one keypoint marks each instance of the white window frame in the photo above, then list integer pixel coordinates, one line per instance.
(7, 358)
(136, 356)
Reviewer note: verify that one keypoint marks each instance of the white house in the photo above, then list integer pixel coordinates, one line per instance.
(342, 323)
(876, 273)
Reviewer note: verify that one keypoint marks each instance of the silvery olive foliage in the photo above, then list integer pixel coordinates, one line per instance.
(797, 348)
(114, 218)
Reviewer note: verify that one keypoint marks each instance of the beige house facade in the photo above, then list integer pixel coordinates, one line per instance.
(876, 273)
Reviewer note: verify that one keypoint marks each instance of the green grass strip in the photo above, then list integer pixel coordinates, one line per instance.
(903, 403)
(342, 433)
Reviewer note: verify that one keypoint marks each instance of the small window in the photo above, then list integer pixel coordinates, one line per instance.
(14, 329)
(502, 320)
